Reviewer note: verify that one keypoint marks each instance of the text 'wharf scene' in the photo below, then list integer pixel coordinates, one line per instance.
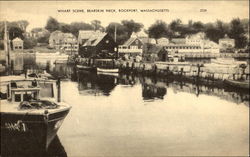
(163, 78)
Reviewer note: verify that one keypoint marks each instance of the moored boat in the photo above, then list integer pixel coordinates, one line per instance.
(104, 70)
(106, 66)
(84, 67)
(244, 84)
(30, 113)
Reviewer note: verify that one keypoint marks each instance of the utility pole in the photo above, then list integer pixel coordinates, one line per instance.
(7, 48)
(115, 33)
(116, 49)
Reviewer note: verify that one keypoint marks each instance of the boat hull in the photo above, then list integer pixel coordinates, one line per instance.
(237, 84)
(83, 67)
(27, 132)
(108, 70)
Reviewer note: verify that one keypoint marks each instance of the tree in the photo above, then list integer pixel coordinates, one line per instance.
(121, 32)
(175, 25)
(158, 29)
(44, 39)
(52, 24)
(23, 24)
(15, 32)
(76, 26)
(65, 28)
(38, 29)
(97, 25)
(198, 27)
(212, 33)
(132, 26)
(237, 32)
(29, 43)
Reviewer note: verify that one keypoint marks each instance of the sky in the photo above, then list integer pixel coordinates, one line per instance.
(37, 13)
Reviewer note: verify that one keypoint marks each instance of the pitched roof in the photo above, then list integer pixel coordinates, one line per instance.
(130, 41)
(178, 40)
(94, 39)
(154, 49)
(85, 34)
(17, 39)
(146, 40)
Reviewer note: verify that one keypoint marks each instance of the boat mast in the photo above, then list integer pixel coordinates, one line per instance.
(115, 42)
(115, 33)
(6, 47)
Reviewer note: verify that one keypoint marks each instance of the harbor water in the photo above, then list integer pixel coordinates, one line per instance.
(127, 115)
(139, 116)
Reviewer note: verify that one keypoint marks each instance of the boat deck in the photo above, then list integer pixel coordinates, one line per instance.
(13, 107)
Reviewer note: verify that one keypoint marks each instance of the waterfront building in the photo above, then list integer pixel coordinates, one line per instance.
(163, 41)
(84, 35)
(65, 42)
(70, 45)
(226, 43)
(210, 46)
(133, 46)
(195, 39)
(192, 44)
(156, 53)
(17, 44)
(96, 45)
(183, 48)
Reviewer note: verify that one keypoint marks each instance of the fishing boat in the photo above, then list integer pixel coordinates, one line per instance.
(106, 66)
(31, 112)
(102, 70)
(84, 67)
(227, 61)
(38, 74)
(244, 84)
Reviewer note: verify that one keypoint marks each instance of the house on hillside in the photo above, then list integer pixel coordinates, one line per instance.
(37, 33)
(133, 46)
(162, 41)
(210, 46)
(65, 42)
(17, 44)
(195, 39)
(96, 45)
(226, 43)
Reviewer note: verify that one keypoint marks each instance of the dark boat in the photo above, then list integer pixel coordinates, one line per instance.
(238, 83)
(85, 67)
(30, 114)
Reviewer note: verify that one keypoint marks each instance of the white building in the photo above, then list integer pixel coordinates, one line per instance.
(132, 46)
(226, 43)
(66, 42)
(195, 39)
(162, 41)
(17, 44)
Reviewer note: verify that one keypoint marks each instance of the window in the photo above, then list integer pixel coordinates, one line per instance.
(134, 47)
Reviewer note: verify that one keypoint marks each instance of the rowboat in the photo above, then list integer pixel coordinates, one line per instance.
(30, 113)
(238, 84)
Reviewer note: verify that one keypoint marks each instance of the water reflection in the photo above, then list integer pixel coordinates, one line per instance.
(92, 83)
(111, 116)
(55, 149)
(152, 87)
